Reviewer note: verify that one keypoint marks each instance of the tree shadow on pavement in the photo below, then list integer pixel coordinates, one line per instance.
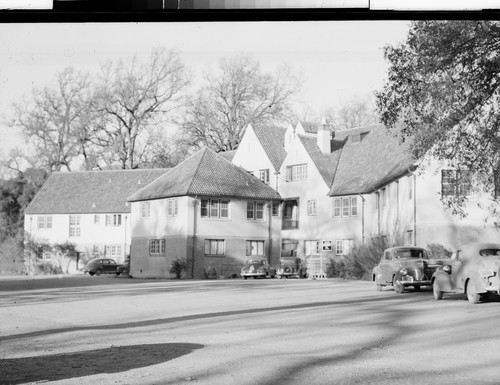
(115, 359)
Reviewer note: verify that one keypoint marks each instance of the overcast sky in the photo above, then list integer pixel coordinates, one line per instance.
(338, 59)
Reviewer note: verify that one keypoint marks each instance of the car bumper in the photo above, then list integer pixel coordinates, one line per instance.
(410, 281)
(253, 274)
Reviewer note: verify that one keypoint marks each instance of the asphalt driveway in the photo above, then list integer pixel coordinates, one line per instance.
(105, 330)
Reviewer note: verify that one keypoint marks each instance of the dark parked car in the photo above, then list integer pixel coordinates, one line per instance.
(405, 266)
(474, 269)
(257, 267)
(100, 266)
(291, 267)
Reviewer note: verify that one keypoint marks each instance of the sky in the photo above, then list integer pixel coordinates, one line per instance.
(338, 60)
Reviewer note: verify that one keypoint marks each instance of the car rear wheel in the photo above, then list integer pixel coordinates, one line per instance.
(438, 294)
(98, 272)
(399, 288)
(472, 295)
(91, 273)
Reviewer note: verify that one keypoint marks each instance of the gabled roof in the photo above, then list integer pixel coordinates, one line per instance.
(312, 128)
(371, 163)
(272, 139)
(325, 163)
(90, 191)
(206, 174)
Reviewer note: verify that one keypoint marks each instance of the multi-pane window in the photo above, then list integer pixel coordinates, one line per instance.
(255, 248)
(145, 210)
(156, 246)
(455, 182)
(343, 246)
(275, 209)
(345, 207)
(172, 207)
(214, 208)
(264, 175)
(74, 225)
(44, 222)
(311, 207)
(214, 247)
(113, 250)
(255, 210)
(97, 219)
(296, 172)
(113, 220)
(312, 248)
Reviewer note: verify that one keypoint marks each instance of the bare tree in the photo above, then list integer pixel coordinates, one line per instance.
(50, 119)
(237, 94)
(130, 98)
(355, 112)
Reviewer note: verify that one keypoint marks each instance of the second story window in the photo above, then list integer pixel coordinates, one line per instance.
(255, 210)
(74, 225)
(296, 173)
(172, 207)
(311, 207)
(113, 220)
(44, 222)
(214, 208)
(145, 210)
(264, 175)
(455, 182)
(345, 207)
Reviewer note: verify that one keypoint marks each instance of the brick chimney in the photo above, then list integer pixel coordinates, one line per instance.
(324, 137)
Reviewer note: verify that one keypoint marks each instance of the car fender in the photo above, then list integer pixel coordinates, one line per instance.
(479, 284)
(443, 281)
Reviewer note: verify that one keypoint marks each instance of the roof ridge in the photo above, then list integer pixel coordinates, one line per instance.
(204, 150)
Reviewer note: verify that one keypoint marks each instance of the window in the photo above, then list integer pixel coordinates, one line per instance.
(214, 246)
(312, 248)
(255, 210)
(296, 173)
(255, 248)
(343, 246)
(97, 219)
(264, 175)
(345, 207)
(113, 250)
(172, 207)
(145, 209)
(455, 182)
(44, 222)
(214, 208)
(43, 252)
(74, 225)
(311, 208)
(275, 209)
(113, 220)
(156, 246)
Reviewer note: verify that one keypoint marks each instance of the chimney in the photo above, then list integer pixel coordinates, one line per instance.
(324, 137)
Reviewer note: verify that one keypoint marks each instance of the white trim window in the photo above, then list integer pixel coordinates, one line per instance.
(312, 247)
(44, 222)
(97, 219)
(215, 246)
(113, 251)
(296, 173)
(113, 220)
(74, 225)
(255, 210)
(172, 207)
(145, 210)
(343, 246)
(255, 248)
(312, 208)
(156, 246)
(345, 207)
(214, 208)
(264, 175)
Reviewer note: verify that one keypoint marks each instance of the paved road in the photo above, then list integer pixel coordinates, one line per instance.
(105, 330)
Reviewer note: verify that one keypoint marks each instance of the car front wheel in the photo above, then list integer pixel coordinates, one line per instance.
(472, 295)
(398, 286)
(98, 272)
(438, 294)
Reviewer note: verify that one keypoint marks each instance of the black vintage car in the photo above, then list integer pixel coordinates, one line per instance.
(405, 266)
(98, 266)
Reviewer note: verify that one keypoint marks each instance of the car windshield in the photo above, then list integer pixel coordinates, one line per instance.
(489, 252)
(410, 253)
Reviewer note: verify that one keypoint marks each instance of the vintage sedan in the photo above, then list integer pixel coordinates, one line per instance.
(257, 268)
(98, 266)
(405, 266)
(474, 269)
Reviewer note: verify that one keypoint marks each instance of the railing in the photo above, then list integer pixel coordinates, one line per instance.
(290, 224)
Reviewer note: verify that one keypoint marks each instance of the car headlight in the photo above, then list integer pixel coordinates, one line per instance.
(404, 271)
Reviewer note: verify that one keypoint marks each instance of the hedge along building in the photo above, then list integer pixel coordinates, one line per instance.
(86, 209)
(207, 211)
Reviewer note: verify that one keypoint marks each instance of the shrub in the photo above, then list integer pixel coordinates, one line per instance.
(47, 268)
(12, 257)
(436, 250)
(179, 267)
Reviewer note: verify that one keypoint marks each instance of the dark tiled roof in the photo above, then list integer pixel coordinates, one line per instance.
(229, 155)
(371, 163)
(325, 163)
(312, 128)
(272, 139)
(206, 174)
(90, 192)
